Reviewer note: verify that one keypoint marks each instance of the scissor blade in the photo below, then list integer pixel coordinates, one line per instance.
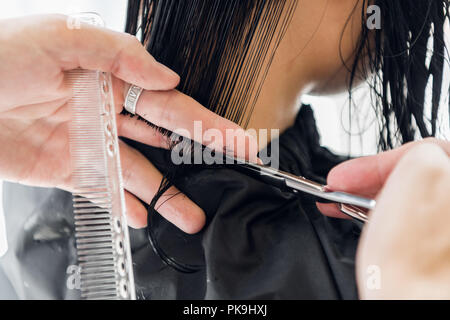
(301, 184)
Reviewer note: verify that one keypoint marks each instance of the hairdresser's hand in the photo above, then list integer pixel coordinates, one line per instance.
(404, 248)
(34, 53)
(406, 243)
(366, 176)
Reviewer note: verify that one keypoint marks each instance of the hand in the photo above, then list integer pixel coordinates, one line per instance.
(406, 239)
(366, 176)
(34, 117)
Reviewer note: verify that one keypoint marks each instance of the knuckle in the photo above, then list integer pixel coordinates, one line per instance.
(127, 48)
(123, 43)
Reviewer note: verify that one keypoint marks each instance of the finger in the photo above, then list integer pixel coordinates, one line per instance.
(136, 212)
(138, 130)
(412, 208)
(142, 179)
(181, 114)
(418, 183)
(95, 48)
(365, 176)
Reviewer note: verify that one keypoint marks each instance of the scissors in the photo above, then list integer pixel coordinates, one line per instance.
(352, 205)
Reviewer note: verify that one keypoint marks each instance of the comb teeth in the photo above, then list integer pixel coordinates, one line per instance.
(100, 225)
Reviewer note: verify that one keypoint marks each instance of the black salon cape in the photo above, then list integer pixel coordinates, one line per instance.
(259, 243)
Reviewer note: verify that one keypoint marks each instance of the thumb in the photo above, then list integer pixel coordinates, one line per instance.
(366, 176)
(362, 176)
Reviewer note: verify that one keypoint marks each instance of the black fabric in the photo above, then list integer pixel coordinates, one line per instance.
(259, 243)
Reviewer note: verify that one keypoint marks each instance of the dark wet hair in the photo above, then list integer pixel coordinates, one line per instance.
(400, 59)
(222, 50)
(211, 44)
(407, 54)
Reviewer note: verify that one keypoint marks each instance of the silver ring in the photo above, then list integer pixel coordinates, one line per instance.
(134, 92)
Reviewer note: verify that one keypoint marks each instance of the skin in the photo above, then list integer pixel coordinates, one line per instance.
(308, 60)
(35, 52)
(34, 117)
(406, 238)
(33, 124)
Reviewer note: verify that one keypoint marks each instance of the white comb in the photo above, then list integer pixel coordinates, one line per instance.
(102, 240)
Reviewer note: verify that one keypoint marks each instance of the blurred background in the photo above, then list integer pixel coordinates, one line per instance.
(332, 112)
